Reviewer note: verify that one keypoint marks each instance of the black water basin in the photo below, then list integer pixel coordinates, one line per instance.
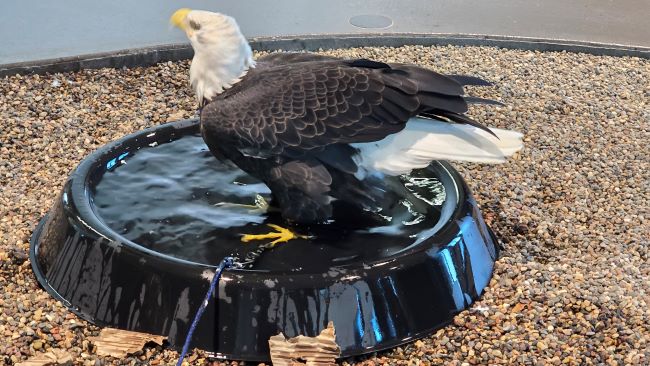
(134, 237)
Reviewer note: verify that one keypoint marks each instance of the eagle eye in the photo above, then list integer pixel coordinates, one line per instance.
(194, 25)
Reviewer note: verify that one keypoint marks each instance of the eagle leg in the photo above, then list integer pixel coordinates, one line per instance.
(281, 235)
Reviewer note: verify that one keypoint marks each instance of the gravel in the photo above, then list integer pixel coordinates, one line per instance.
(571, 209)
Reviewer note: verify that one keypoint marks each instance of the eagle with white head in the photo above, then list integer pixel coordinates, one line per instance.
(317, 129)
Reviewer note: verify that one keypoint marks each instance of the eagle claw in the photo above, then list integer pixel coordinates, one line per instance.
(281, 235)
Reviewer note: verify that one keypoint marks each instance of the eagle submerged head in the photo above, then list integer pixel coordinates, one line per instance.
(222, 56)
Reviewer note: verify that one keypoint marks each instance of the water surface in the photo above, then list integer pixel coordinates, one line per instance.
(177, 199)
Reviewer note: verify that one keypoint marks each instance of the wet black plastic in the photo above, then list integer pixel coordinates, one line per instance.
(111, 281)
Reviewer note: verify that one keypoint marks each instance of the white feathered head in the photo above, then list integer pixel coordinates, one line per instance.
(221, 53)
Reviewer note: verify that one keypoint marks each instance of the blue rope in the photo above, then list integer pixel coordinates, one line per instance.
(225, 263)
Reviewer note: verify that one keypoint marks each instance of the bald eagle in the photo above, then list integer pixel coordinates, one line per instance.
(317, 129)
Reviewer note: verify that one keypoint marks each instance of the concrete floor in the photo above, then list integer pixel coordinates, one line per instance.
(32, 30)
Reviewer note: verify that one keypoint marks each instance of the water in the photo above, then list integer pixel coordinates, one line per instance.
(176, 198)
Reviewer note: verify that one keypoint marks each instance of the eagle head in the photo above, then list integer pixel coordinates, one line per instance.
(221, 53)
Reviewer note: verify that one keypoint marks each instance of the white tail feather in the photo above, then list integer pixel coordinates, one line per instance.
(425, 140)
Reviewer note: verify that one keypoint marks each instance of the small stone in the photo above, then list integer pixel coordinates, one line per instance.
(37, 345)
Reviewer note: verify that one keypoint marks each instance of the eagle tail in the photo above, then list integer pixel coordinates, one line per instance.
(425, 140)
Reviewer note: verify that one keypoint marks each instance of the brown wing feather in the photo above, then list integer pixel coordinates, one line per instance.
(307, 102)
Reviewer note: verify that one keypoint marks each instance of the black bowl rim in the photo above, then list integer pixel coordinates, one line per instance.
(81, 197)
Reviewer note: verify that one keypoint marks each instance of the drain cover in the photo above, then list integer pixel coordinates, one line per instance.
(371, 21)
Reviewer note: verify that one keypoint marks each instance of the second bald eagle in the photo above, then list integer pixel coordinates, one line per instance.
(317, 129)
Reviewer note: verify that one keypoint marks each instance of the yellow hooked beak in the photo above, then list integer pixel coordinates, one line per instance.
(178, 18)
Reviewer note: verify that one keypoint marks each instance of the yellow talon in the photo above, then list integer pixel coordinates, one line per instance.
(281, 235)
